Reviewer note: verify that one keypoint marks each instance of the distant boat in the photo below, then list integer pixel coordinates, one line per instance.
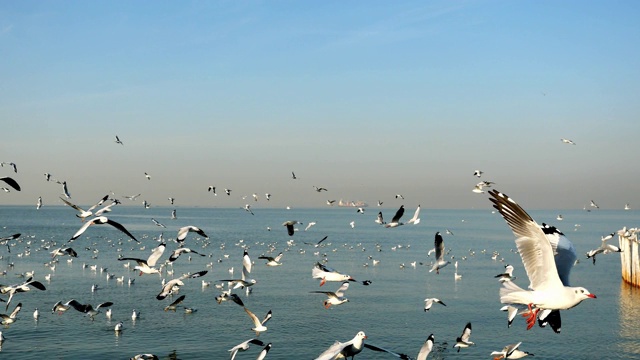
(352, 203)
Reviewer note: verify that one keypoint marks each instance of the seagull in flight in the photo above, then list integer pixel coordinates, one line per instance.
(132, 197)
(100, 220)
(567, 141)
(244, 346)
(395, 221)
(147, 176)
(83, 214)
(258, 326)
(289, 224)
(183, 231)
(148, 266)
(158, 223)
(118, 140)
(319, 189)
(212, 189)
(546, 289)
(463, 340)
(478, 173)
(415, 220)
(439, 248)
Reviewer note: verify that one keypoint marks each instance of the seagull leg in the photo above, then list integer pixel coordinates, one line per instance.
(531, 316)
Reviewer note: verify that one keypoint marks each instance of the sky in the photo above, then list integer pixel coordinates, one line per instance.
(368, 99)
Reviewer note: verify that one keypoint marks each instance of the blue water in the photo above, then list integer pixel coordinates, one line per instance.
(389, 311)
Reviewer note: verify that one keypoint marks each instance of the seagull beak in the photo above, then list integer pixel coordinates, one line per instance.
(593, 296)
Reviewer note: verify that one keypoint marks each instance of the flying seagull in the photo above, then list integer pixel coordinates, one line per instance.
(118, 140)
(100, 220)
(395, 221)
(83, 214)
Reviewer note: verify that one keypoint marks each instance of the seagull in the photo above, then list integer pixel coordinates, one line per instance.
(118, 140)
(147, 266)
(258, 326)
(439, 248)
(293, 175)
(360, 210)
(507, 275)
(227, 191)
(88, 309)
(415, 220)
(547, 290)
(380, 203)
(247, 208)
(244, 346)
(64, 251)
(289, 224)
(175, 304)
(179, 251)
(428, 302)
(510, 352)
(267, 196)
(147, 176)
(244, 281)
(65, 190)
(272, 261)
(593, 204)
(11, 182)
(325, 273)
(478, 173)
(183, 231)
(7, 238)
(399, 196)
(11, 318)
(395, 221)
(463, 340)
(334, 297)
(264, 352)
(225, 296)
(100, 220)
(379, 219)
(157, 223)
(168, 287)
(309, 225)
(343, 350)
(319, 189)
(318, 243)
(119, 327)
(59, 307)
(18, 288)
(330, 202)
(604, 248)
(426, 348)
(132, 197)
(39, 203)
(567, 141)
(83, 214)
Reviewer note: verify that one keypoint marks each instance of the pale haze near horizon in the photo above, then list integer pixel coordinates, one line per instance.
(366, 99)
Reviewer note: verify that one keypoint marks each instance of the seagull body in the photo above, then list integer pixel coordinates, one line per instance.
(65, 190)
(258, 326)
(11, 318)
(547, 290)
(426, 348)
(567, 141)
(478, 173)
(118, 140)
(83, 214)
(244, 346)
(272, 261)
(148, 266)
(428, 302)
(99, 220)
(415, 220)
(168, 287)
(183, 231)
(325, 273)
(395, 221)
(319, 189)
(343, 350)
(463, 341)
(379, 219)
(309, 225)
(510, 352)
(179, 251)
(507, 275)
(88, 309)
(39, 203)
(335, 298)
(289, 224)
(439, 249)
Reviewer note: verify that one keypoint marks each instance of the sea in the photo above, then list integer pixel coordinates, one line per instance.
(390, 310)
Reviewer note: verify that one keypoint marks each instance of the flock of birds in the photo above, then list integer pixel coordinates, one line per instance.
(547, 257)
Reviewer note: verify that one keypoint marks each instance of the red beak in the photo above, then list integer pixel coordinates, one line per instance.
(592, 296)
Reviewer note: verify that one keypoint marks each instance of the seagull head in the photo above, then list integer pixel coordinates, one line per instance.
(583, 293)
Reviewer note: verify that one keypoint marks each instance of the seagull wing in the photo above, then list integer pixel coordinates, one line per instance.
(156, 254)
(121, 228)
(426, 348)
(11, 182)
(254, 318)
(377, 348)
(565, 253)
(532, 244)
(72, 205)
(415, 219)
(439, 246)
(333, 351)
(84, 227)
(466, 333)
(398, 215)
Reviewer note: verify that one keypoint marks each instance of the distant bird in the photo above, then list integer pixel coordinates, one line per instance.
(212, 189)
(88, 309)
(169, 286)
(415, 220)
(173, 214)
(399, 196)
(258, 325)
(11, 182)
(289, 224)
(352, 224)
(182, 250)
(247, 208)
(227, 191)
(157, 223)
(428, 302)
(507, 275)
(309, 225)
(36, 314)
(593, 204)
(119, 327)
(61, 251)
(267, 196)
(47, 176)
(334, 297)
(605, 248)
(395, 221)
(463, 341)
(83, 214)
(39, 203)
(293, 175)
(118, 140)
(478, 173)
(244, 346)
(319, 189)
(379, 219)
(148, 266)
(171, 200)
(567, 141)
(183, 231)
(510, 352)
(330, 202)
(439, 247)
(627, 207)
(360, 210)
(132, 197)
(318, 243)
(380, 203)
(272, 261)
(100, 220)
(147, 176)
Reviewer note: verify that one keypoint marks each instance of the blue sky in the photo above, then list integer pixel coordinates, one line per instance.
(365, 98)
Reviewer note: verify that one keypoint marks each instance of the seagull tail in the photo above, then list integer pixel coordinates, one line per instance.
(510, 293)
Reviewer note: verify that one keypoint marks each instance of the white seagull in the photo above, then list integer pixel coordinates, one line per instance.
(258, 326)
(463, 341)
(83, 214)
(272, 261)
(183, 231)
(547, 290)
(325, 273)
(507, 275)
(334, 297)
(428, 302)
(426, 348)
(88, 309)
(439, 248)
(100, 220)
(567, 141)
(510, 352)
(289, 224)
(11, 318)
(415, 220)
(148, 266)
(244, 346)
(168, 287)
(395, 221)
